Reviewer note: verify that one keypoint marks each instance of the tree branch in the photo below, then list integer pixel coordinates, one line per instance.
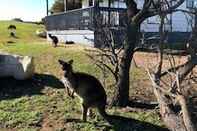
(171, 9)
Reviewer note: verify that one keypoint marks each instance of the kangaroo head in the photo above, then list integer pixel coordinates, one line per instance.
(66, 67)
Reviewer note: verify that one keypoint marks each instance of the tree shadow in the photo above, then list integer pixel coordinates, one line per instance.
(120, 123)
(10, 42)
(11, 88)
(193, 109)
(74, 120)
(142, 105)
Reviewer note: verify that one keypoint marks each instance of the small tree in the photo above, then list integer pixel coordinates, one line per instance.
(107, 56)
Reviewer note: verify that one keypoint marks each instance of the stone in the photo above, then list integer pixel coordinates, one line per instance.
(19, 67)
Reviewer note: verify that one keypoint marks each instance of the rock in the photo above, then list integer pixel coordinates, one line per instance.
(19, 67)
(41, 33)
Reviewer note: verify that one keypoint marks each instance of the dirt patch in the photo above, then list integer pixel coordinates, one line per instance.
(141, 85)
(150, 60)
(51, 125)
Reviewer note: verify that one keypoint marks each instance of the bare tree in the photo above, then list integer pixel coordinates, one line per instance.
(135, 17)
(172, 100)
(171, 96)
(107, 56)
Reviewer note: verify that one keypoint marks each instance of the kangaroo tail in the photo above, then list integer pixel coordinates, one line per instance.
(102, 112)
(111, 119)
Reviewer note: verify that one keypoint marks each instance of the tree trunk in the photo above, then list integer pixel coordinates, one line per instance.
(121, 96)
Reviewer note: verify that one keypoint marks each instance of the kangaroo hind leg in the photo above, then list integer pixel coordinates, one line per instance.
(84, 112)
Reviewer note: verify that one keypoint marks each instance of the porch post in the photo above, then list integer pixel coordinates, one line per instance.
(95, 22)
(109, 12)
(47, 6)
(96, 3)
(65, 3)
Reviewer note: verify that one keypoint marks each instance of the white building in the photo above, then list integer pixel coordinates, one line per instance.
(77, 22)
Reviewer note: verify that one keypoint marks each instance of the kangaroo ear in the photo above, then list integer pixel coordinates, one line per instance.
(61, 62)
(70, 62)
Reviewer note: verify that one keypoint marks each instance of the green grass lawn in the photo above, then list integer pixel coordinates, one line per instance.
(25, 32)
(41, 103)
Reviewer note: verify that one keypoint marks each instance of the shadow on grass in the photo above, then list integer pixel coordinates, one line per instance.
(142, 105)
(74, 120)
(11, 88)
(120, 123)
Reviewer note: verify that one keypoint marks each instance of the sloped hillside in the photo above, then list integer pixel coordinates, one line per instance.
(24, 31)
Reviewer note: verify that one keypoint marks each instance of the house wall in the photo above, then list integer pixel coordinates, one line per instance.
(179, 19)
(179, 22)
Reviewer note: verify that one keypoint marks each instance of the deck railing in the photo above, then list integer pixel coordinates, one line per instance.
(81, 19)
(78, 19)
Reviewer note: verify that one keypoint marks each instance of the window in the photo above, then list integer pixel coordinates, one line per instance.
(189, 3)
(90, 2)
(114, 18)
(105, 19)
(73, 4)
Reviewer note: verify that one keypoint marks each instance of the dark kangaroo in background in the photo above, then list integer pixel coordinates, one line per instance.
(54, 40)
(87, 87)
(12, 33)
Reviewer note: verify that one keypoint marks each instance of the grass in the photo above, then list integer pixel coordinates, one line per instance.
(41, 103)
(19, 112)
(24, 31)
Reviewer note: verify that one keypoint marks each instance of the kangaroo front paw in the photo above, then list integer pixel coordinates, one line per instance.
(84, 120)
(72, 96)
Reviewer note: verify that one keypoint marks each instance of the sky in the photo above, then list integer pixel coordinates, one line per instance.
(27, 10)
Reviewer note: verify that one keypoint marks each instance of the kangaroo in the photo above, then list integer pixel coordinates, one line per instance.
(87, 87)
(54, 40)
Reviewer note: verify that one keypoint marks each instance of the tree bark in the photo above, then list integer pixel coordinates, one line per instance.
(121, 97)
(171, 120)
